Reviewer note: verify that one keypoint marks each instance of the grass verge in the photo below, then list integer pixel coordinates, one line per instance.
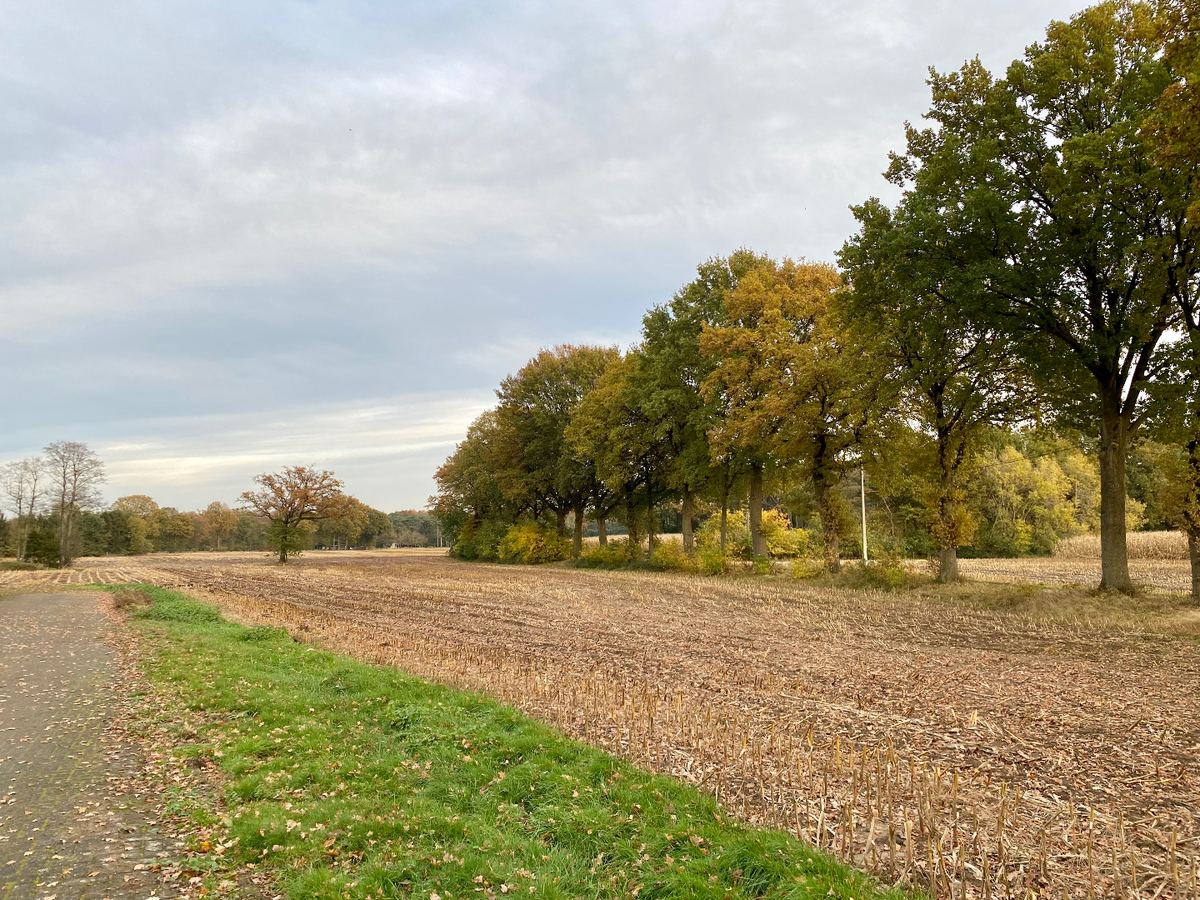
(346, 780)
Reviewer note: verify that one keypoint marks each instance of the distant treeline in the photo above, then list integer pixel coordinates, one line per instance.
(137, 524)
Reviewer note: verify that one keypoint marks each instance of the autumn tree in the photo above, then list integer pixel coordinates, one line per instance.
(799, 394)
(1040, 187)
(218, 523)
(957, 377)
(343, 531)
(75, 474)
(542, 470)
(469, 491)
(293, 499)
(673, 371)
(614, 427)
(24, 486)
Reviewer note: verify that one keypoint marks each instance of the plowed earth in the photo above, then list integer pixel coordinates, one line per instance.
(969, 751)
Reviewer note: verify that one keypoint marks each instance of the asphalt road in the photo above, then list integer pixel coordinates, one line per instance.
(70, 826)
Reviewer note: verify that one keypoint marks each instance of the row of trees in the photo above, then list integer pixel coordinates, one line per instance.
(1041, 268)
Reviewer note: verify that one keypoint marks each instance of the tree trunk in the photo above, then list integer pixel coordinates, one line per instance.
(1114, 557)
(577, 547)
(602, 529)
(649, 520)
(1194, 555)
(827, 513)
(688, 543)
(724, 509)
(947, 532)
(948, 567)
(561, 525)
(757, 538)
(635, 540)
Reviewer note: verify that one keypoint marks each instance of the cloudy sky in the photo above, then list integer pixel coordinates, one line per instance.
(236, 236)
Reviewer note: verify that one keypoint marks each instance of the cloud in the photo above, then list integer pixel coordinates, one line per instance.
(217, 209)
(384, 451)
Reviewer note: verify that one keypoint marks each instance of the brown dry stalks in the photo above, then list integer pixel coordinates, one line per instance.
(969, 751)
(1141, 544)
(127, 599)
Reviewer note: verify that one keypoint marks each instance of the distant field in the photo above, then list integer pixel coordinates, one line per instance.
(963, 732)
(1142, 545)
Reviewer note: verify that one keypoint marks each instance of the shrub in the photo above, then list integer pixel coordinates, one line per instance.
(782, 539)
(480, 541)
(711, 561)
(531, 544)
(668, 555)
(886, 571)
(615, 555)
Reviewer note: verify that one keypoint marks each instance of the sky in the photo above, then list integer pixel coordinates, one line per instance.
(238, 236)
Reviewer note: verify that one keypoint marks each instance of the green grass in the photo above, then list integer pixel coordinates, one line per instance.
(351, 781)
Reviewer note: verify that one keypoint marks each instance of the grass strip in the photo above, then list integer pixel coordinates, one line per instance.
(346, 780)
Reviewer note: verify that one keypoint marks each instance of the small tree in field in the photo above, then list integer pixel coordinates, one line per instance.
(290, 498)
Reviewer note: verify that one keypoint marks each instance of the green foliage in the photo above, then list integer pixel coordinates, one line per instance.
(42, 546)
(414, 528)
(619, 553)
(668, 556)
(711, 561)
(329, 760)
(479, 541)
(1027, 501)
(531, 543)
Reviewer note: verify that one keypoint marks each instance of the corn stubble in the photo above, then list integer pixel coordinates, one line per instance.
(967, 752)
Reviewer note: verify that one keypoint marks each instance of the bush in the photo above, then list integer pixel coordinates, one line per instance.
(532, 544)
(886, 571)
(479, 541)
(711, 561)
(782, 539)
(668, 555)
(615, 555)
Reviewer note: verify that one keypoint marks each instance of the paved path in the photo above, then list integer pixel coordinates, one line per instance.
(69, 828)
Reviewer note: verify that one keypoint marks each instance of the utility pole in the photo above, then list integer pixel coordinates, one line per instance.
(862, 495)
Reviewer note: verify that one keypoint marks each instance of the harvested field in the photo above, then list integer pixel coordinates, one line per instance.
(969, 750)
(1161, 574)
(1141, 545)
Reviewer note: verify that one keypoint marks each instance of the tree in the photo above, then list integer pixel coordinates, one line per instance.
(218, 523)
(1041, 189)
(674, 371)
(344, 531)
(798, 392)
(75, 475)
(614, 429)
(24, 485)
(468, 488)
(292, 499)
(1174, 131)
(541, 471)
(957, 377)
(144, 521)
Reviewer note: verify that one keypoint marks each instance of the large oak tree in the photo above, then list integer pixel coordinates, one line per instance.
(1040, 187)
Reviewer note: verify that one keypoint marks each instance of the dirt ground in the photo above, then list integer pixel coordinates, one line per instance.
(978, 742)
